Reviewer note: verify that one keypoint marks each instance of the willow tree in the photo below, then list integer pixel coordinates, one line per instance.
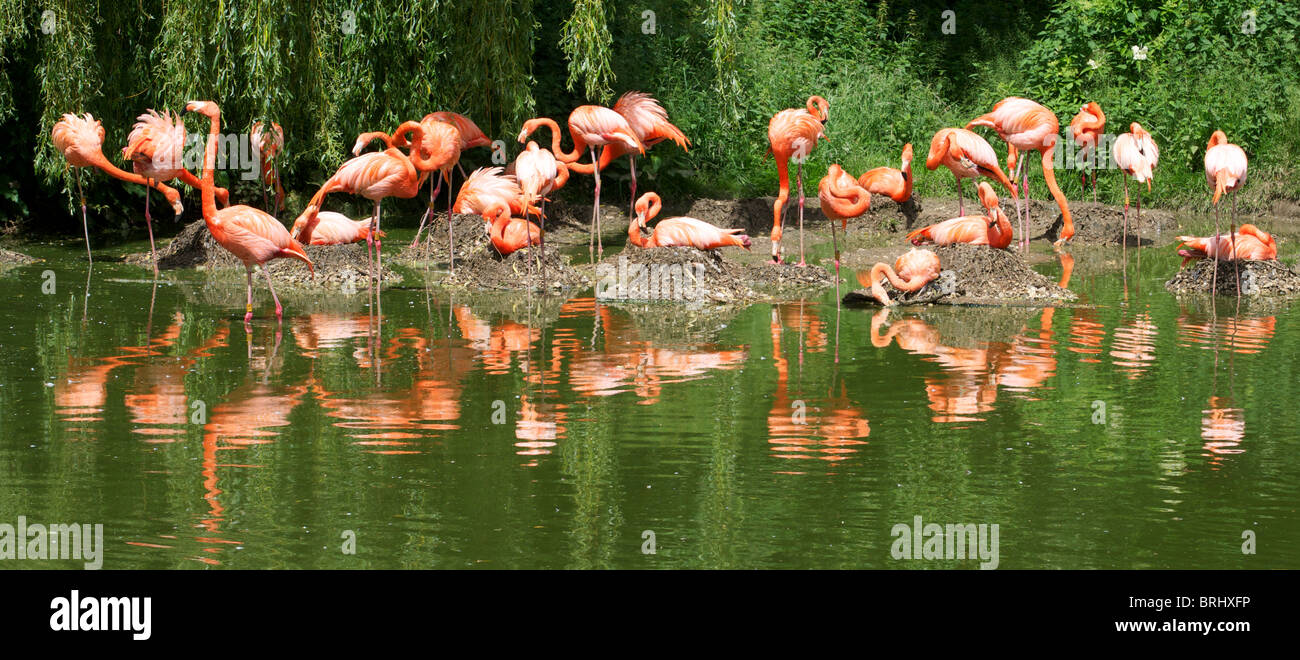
(586, 43)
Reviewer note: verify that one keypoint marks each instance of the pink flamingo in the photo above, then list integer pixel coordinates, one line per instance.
(266, 146)
(911, 272)
(968, 156)
(842, 197)
(252, 235)
(650, 121)
(336, 229)
(1137, 155)
(1086, 128)
(1225, 171)
(793, 133)
(81, 141)
(685, 232)
(590, 126)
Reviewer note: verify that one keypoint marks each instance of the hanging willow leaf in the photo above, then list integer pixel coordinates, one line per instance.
(586, 43)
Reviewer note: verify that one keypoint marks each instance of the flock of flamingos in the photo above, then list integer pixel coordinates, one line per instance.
(506, 198)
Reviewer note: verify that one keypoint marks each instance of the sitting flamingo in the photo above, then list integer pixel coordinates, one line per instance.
(1247, 243)
(336, 229)
(497, 197)
(911, 272)
(993, 229)
(252, 235)
(679, 232)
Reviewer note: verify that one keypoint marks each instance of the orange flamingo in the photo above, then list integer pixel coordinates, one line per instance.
(266, 146)
(649, 120)
(156, 147)
(539, 174)
(911, 272)
(841, 198)
(1086, 129)
(590, 126)
(793, 133)
(252, 235)
(895, 184)
(387, 173)
(1225, 171)
(336, 229)
(992, 229)
(1137, 155)
(967, 156)
(81, 141)
(491, 194)
(1028, 126)
(442, 146)
(673, 232)
(1249, 242)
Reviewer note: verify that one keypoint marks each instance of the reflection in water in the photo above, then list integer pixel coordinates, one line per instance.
(1222, 427)
(1243, 335)
(828, 428)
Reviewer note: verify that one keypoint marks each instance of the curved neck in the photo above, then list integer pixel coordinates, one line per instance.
(555, 141)
(884, 270)
(416, 145)
(634, 233)
(103, 163)
(207, 183)
(1049, 175)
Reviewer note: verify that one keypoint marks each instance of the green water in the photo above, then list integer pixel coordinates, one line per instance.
(480, 431)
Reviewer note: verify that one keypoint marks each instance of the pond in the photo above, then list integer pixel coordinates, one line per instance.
(1129, 430)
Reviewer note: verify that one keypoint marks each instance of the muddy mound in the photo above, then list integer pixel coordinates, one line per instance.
(676, 274)
(1264, 279)
(339, 267)
(786, 277)
(468, 231)
(1100, 224)
(523, 270)
(10, 259)
(975, 275)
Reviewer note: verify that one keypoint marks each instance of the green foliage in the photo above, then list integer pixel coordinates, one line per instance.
(585, 42)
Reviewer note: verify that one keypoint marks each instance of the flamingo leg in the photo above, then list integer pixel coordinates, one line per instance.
(1124, 236)
(85, 228)
(248, 307)
(961, 201)
(1214, 279)
(632, 164)
(1232, 233)
(279, 311)
(279, 190)
(1024, 173)
(148, 223)
(541, 247)
(428, 213)
(261, 184)
(451, 241)
(799, 176)
(600, 248)
(1137, 224)
(595, 209)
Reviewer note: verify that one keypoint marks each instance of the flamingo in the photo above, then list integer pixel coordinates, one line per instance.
(539, 173)
(993, 229)
(252, 235)
(1086, 128)
(81, 141)
(590, 126)
(679, 232)
(1225, 171)
(441, 144)
(841, 198)
(155, 148)
(895, 184)
(793, 132)
(376, 175)
(1137, 155)
(266, 146)
(967, 156)
(1248, 242)
(911, 272)
(493, 195)
(649, 120)
(1028, 126)
(336, 229)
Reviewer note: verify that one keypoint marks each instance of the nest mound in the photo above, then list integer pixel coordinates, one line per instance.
(975, 275)
(338, 267)
(784, 277)
(1263, 279)
(9, 259)
(467, 230)
(676, 274)
(485, 268)
(1102, 224)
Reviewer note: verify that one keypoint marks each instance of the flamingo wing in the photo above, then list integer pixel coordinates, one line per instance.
(599, 125)
(156, 144)
(78, 138)
(690, 232)
(649, 119)
(972, 229)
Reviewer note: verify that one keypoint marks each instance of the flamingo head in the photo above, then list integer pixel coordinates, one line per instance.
(938, 147)
(1137, 130)
(529, 126)
(819, 108)
(988, 198)
(907, 155)
(643, 206)
(174, 198)
(205, 108)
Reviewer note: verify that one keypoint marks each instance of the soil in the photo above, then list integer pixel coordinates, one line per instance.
(1259, 279)
(980, 275)
(338, 267)
(469, 234)
(523, 270)
(699, 276)
(10, 259)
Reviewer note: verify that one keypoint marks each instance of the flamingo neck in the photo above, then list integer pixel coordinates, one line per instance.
(560, 154)
(207, 183)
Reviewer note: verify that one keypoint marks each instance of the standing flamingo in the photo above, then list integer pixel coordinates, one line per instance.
(1028, 126)
(252, 235)
(1086, 129)
(539, 173)
(841, 198)
(1137, 155)
(1225, 171)
(156, 147)
(650, 121)
(266, 146)
(967, 156)
(793, 132)
(376, 175)
(993, 229)
(911, 272)
(81, 141)
(679, 232)
(441, 145)
(895, 184)
(590, 126)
